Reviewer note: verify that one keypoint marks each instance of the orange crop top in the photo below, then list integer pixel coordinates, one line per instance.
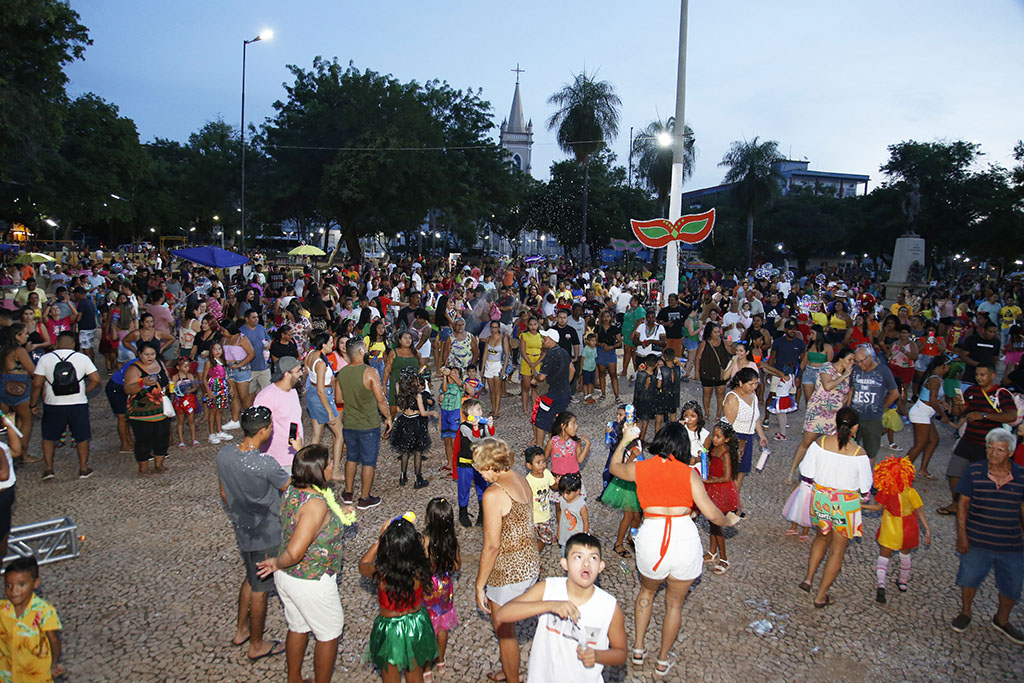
(663, 482)
(385, 602)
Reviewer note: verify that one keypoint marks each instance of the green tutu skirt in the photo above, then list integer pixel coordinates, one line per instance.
(404, 642)
(621, 495)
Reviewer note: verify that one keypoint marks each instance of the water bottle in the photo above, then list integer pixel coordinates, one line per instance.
(630, 413)
(703, 464)
(610, 435)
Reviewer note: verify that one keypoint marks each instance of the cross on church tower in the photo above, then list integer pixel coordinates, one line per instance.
(518, 71)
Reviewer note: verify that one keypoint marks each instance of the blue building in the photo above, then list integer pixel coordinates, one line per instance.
(796, 174)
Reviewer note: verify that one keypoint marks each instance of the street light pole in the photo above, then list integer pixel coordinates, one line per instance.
(675, 206)
(264, 35)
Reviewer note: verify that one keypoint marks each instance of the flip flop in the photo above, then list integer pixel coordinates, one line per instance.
(269, 653)
(926, 475)
(623, 552)
(241, 643)
(805, 587)
(790, 532)
(828, 601)
(493, 676)
(945, 511)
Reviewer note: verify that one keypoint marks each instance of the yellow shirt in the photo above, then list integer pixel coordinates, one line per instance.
(540, 487)
(819, 318)
(1008, 316)
(376, 349)
(837, 323)
(531, 351)
(24, 647)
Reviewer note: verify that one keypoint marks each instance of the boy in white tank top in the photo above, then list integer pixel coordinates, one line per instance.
(581, 629)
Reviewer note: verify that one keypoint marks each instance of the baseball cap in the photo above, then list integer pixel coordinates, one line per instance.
(551, 334)
(790, 324)
(285, 364)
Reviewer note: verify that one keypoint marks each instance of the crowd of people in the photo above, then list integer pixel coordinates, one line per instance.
(422, 356)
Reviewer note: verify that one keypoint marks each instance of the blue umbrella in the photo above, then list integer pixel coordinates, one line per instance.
(213, 257)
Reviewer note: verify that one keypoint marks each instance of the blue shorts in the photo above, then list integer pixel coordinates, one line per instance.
(243, 374)
(1009, 569)
(74, 417)
(588, 376)
(363, 445)
(810, 374)
(450, 421)
(15, 379)
(117, 398)
(606, 357)
(315, 407)
(690, 344)
(444, 333)
(545, 418)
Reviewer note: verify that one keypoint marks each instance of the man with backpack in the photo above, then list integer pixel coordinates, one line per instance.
(67, 377)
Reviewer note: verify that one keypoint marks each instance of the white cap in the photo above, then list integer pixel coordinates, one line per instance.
(551, 334)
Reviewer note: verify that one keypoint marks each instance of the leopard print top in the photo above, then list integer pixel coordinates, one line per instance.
(518, 559)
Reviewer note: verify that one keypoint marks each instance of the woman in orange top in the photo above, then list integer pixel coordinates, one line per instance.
(668, 546)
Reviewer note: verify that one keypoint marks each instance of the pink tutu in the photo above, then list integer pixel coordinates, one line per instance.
(441, 604)
(798, 507)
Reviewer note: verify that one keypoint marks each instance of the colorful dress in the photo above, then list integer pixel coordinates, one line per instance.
(619, 494)
(461, 353)
(25, 653)
(406, 641)
(782, 400)
(823, 405)
(798, 506)
(900, 529)
(440, 603)
(184, 401)
(218, 383)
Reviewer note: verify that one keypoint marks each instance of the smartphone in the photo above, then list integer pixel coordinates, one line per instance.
(293, 431)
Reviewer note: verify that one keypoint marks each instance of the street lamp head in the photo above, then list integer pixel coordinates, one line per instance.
(437, 235)
(216, 218)
(152, 229)
(665, 138)
(265, 34)
(52, 223)
(238, 232)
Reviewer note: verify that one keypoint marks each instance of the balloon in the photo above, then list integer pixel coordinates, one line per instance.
(788, 276)
(767, 266)
(820, 279)
(775, 272)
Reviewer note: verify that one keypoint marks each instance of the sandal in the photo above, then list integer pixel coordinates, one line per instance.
(439, 667)
(621, 551)
(710, 558)
(791, 532)
(828, 601)
(803, 537)
(666, 666)
(428, 677)
(721, 568)
(946, 511)
(926, 475)
(805, 587)
(637, 656)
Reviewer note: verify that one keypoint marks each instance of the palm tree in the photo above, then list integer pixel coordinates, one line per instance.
(654, 160)
(752, 166)
(587, 116)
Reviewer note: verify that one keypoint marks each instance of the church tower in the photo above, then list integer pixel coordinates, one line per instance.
(516, 133)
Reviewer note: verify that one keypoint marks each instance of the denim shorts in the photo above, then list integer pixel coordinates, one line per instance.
(588, 376)
(810, 374)
(242, 374)
(363, 445)
(976, 563)
(444, 333)
(690, 344)
(606, 357)
(315, 407)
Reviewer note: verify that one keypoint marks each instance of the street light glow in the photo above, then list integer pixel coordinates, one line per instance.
(265, 34)
(664, 138)
(842, 253)
(52, 223)
(216, 218)
(114, 196)
(437, 235)
(152, 229)
(779, 246)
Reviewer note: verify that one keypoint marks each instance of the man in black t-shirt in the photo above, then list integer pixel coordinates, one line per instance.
(773, 315)
(981, 347)
(557, 370)
(672, 317)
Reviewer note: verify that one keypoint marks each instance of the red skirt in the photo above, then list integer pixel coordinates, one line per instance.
(724, 495)
(185, 405)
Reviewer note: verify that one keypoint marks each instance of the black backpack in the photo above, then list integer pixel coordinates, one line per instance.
(65, 377)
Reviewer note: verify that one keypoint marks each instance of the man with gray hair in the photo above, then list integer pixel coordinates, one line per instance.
(989, 531)
(873, 389)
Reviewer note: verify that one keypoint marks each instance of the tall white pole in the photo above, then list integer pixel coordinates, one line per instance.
(675, 204)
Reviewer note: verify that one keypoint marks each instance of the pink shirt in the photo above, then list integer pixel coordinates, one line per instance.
(563, 456)
(285, 408)
(162, 319)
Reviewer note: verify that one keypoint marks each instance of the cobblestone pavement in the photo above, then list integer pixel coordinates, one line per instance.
(153, 594)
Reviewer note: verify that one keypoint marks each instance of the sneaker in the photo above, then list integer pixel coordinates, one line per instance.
(181, 444)
(224, 436)
(368, 502)
(880, 595)
(48, 474)
(895, 448)
(962, 621)
(1009, 631)
(779, 436)
(346, 497)
(195, 443)
(213, 438)
(589, 400)
(84, 474)
(233, 424)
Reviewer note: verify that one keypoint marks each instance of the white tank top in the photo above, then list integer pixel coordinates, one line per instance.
(746, 415)
(553, 655)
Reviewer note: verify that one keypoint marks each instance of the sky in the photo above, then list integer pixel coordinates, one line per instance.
(835, 83)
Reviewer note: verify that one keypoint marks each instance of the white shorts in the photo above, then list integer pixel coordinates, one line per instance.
(87, 339)
(492, 368)
(920, 413)
(425, 350)
(311, 605)
(684, 556)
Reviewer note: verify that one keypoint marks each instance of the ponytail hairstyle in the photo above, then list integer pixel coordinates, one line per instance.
(732, 443)
(819, 338)
(742, 376)
(846, 419)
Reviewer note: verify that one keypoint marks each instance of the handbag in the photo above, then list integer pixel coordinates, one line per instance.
(15, 388)
(168, 407)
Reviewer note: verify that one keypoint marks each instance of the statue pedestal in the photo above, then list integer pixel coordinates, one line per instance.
(909, 248)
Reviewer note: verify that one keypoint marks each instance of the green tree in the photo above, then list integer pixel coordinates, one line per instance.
(587, 117)
(100, 156)
(654, 160)
(805, 223)
(753, 168)
(37, 39)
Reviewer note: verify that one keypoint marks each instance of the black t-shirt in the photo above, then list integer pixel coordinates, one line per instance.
(506, 316)
(788, 353)
(555, 366)
(609, 336)
(771, 318)
(980, 350)
(672, 318)
(567, 338)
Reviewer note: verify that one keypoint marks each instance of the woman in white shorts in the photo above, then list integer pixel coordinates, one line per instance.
(929, 404)
(668, 546)
(306, 571)
(497, 352)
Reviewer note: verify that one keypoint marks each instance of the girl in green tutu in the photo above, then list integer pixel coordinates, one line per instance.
(402, 638)
(621, 495)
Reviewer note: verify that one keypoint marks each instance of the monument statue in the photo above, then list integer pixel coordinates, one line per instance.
(912, 208)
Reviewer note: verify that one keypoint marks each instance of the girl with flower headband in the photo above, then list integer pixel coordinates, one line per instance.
(902, 517)
(305, 572)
